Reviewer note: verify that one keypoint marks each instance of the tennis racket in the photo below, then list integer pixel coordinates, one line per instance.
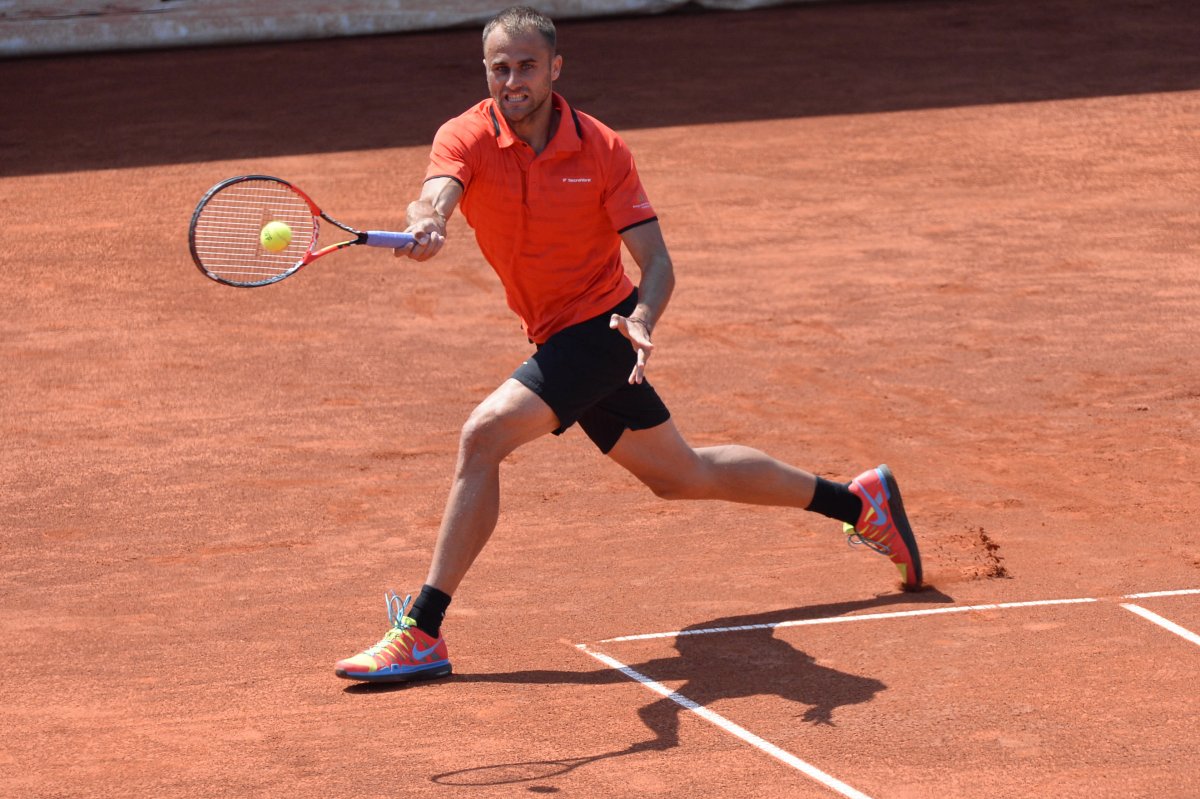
(227, 240)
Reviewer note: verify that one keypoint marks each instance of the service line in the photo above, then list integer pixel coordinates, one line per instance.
(1153, 594)
(892, 615)
(788, 758)
(1166, 624)
(728, 726)
(842, 619)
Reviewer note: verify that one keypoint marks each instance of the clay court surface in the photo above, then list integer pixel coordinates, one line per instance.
(960, 238)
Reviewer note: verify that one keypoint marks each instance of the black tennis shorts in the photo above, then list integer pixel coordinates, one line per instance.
(582, 373)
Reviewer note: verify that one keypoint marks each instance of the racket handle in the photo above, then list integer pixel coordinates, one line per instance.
(386, 238)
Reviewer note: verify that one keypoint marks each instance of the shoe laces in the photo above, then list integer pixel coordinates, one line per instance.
(855, 539)
(396, 610)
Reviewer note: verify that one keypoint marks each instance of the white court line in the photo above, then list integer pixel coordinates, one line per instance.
(786, 757)
(1166, 624)
(894, 615)
(725, 724)
(1152, 594)
(841, 619)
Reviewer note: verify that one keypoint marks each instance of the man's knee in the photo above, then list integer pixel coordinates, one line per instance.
(483, 435)
(677, 485)
(669, 489)
(500, 424)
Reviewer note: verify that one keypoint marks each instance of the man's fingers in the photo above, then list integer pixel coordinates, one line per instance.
(425, 247)
(639, 369)
(632, 329)
(639, 337)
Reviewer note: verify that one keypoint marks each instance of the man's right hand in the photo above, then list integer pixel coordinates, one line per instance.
(430, 238)
(427, 217)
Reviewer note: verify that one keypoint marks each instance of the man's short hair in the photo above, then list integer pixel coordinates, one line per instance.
(523, 19)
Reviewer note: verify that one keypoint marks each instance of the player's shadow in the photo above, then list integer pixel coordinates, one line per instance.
(711, 666)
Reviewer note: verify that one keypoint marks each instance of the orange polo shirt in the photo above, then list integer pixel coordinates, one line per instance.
(550, 223)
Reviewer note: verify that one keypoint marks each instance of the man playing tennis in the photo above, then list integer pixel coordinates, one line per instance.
(552, 194)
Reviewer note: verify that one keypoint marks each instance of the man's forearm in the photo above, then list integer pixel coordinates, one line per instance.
(436, 203)
(421, 210)
(654, 291)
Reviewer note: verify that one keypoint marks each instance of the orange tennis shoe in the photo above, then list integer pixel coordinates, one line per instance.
(883, 526)
(405, 653)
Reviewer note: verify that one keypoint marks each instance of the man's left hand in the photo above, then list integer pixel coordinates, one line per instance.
(638, 332)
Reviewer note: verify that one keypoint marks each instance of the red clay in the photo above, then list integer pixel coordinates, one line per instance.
(932, 256)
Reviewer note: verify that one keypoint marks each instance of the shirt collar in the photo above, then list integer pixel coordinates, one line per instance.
(565, 139)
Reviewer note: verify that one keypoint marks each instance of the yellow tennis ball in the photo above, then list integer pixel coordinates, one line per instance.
(275, 236)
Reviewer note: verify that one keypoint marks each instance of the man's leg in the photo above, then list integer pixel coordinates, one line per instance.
(672, 469)
(869, 507)
(413, 648)
(513, 415)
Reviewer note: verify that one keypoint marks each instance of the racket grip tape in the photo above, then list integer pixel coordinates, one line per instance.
(387, 238)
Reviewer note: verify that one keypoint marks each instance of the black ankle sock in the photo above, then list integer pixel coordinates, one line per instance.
(429, 609)
(835, 501)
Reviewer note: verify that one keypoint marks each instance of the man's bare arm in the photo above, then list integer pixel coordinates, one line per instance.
(646, 245)
(427, 217)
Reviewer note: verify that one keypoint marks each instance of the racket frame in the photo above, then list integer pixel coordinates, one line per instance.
(382, 238)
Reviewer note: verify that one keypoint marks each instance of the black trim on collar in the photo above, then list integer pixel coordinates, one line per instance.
(495, 122)
(578, 127)
(637, 224)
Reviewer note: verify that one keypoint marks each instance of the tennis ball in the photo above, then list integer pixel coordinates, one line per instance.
(275, 236)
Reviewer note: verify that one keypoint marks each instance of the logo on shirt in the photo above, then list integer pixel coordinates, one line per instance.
(576, 180)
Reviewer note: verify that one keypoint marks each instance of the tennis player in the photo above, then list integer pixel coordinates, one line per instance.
(552, 193)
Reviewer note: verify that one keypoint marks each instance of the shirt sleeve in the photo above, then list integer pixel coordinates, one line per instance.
(451, 154)
(625, 200)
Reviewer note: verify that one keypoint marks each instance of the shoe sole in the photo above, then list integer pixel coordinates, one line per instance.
(411, 676)
(902, 526)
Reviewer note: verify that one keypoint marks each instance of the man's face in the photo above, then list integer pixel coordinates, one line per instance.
(521, 72)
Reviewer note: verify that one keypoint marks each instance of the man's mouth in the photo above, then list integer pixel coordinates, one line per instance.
(516, 98)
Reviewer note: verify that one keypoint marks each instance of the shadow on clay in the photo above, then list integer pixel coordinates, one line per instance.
(114, 110)
(711, 667)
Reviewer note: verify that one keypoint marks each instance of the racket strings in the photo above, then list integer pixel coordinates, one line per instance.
(226, 235)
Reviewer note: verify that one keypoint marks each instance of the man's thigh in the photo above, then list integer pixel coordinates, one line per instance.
(510, 416)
